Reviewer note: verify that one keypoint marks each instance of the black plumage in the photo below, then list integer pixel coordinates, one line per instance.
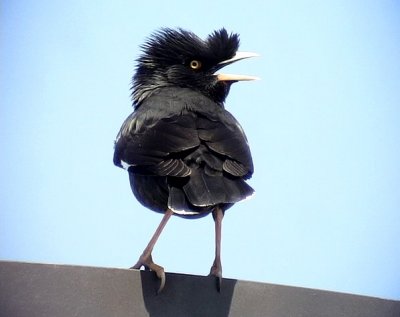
(185, 154)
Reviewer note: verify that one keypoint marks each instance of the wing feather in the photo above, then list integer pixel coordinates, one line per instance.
(226, 137)
(152, 150)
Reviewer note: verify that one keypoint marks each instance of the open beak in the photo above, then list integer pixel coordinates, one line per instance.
(232, 77)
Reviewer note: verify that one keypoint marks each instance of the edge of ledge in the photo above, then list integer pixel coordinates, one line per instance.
(35, 289)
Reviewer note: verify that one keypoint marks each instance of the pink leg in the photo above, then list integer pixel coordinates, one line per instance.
(146, 259)
(216, 269)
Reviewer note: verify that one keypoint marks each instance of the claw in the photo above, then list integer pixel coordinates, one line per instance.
(161, 276)
(216, 270)
(149, 265)
(218, 282)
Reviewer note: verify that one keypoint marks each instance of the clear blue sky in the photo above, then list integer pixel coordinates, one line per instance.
(323, 125)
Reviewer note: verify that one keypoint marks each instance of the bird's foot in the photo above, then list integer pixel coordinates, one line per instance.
(216, 270)
(147, 262)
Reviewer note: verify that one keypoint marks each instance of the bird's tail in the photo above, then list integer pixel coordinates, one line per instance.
(201, 192)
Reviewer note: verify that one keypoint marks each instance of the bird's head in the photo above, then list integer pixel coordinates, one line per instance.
(180, 58)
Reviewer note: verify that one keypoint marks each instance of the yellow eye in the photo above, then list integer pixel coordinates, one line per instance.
(195, 64)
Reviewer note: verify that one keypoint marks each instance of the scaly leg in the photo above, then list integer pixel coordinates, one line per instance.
(146, 259)
(216, 268)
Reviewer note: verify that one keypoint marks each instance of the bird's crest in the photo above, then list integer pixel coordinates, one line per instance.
(167, 54)
(177, 45)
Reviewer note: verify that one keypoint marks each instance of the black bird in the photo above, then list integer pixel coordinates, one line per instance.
(185, 154)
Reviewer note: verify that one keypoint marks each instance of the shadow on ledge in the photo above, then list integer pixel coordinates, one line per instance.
(34, 290)
(186, 295)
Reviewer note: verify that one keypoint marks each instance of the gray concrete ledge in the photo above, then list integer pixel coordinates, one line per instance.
(34, 290)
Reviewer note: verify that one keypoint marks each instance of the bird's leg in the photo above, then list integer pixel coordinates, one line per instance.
(146, 259)
(216, 268)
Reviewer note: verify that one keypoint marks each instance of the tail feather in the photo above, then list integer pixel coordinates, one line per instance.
(205, 190)
(196, 194)
(177, 200)
(237, 189)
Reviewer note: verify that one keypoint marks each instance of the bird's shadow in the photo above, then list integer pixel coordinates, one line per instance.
(186, 295)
